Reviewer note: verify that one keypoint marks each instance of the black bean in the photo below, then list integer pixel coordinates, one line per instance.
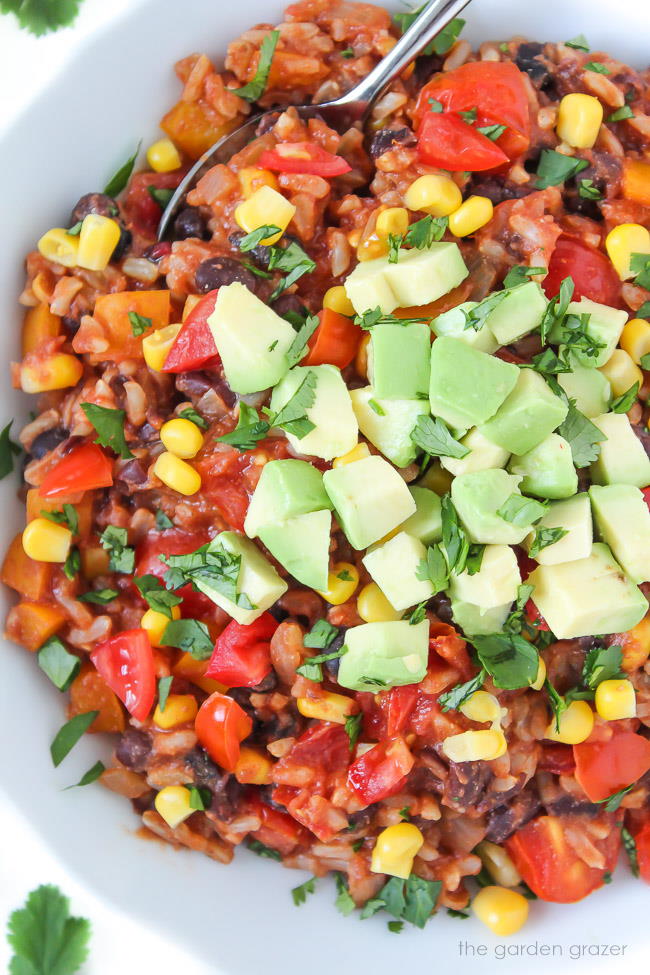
(466, 783)
(503, 821)
(278, 613)
(217, 272)
(426, 66)
(497, 190)
(122, 245)
(132, 473)
(133, 749)
(70, 324)
(99, 203)
(206, 773)
(568, 805)
(260, 255)
(332, 666)
(290, 306)
(441, 606)
(190, 223)
(47, 441)
(387, 139)
(527, 61)
(269, 683)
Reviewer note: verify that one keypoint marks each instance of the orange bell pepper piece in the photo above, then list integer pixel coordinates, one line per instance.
(31, 579)
(193, 128)
(31, 624)
(39, 325)
(636, 181)
(89, 692)
(112, 313)
(336, 340)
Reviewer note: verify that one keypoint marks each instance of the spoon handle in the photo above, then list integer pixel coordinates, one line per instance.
(437, 15)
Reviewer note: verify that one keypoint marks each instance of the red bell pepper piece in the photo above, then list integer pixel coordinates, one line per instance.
(242, 654)
(445, 140)
(335, 341)
(86, 467)
(125, 661)
(194, 346)
(303, 157)
(382, 771)
(606, 767)
(221, 726)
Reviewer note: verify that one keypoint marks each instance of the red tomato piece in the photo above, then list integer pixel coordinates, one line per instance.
(142, 212)
(85, 468)
(550, 866)
(279, 830)
(642, 840)
(397, 706)
(382, 771)
(335, 341)
(445, 140)
(447, 643)
(242, 654)
(194, 346)
(323, 745)
(535, 618)
(592, 273)
(646, 496)
(605, 767)
(173, 541)
(303, 157)
(557, 759)
(221, 725)
(125, 661)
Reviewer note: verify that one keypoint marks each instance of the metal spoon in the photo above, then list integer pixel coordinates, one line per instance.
(339, 114)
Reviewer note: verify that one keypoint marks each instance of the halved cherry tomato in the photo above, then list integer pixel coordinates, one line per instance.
(125, 661)
(194, 346)
(642, 841)
(592, 273)
(445, 140)
(557, 759)
(335, 341)
(86, 467)
(221, 726)
(303, 157)
(141, 210)
(535, 618)
(242, 654)
(605, 767)
(173, 541)
(550, 866)
(382, 771)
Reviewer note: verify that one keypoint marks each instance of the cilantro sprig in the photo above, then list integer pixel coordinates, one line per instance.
(109, 426)
(46, 939)
(249, 430)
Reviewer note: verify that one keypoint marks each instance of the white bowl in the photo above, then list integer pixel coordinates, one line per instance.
(239, 917)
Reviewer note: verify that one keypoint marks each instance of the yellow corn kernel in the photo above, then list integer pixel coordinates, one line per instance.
(622, 242)
(470, 216)
(635, 339)
(59, 246)
(98, 238)
(328, 707)
(501, 910)
(181, 437)
(498, 864)
(392, 220)
(373, 607)
(94, 562)
(265, 207)
(173, 804)
(622, 372)
(179, 709)
(38, 326)
(163, 156)
(437, 195)
(538, 683)
(615, 700)
(341, 583)
(371, 247)
(395, 849)
(576, 724)
(177, 474)
(357, 453)
(251, 178)
(474, 746)
(579, 119)
(190, 304)
(253, 768)
(361, 359)
(56, 371)
(336, 299)
(194, 671)
(481, 706)
(156, 346)
(45, 541)
(155, 624)
(437, 479)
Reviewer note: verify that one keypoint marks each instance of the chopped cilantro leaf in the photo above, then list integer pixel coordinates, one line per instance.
(299, 894)
(582, 435)
(292, 417)
(210, 569)
(453, 699)
(164, 687)
(191, 636)
(139, 323)
(45, 939)
(189, 413)
(597, 66)
(249, 241)
(122, 558)
(492, 132)
(249, 430)
(353, 728)
(67, 517)
(518, 510)
(119, 180)
(68, 736)
(510, 660)
(294, 261)
(298, 347)
(434, 569)
(160, 196)
(588, 191)
(432, 436)
(343, 903)
(545, 537)
(602, 663)
(72, 564)
(620, 114)
(101, 597)
(580, 43)
(8, 450)
(109, 426)
(554, 168)
(57, 663)
(629, 846)
(88, 777)
(155, 595)
(624, 402)
(454, 540)
(475, 318)
(256, 87)
(263, 851)
(163, 521)
(520, 274)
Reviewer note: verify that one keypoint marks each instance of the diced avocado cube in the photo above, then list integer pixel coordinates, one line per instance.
(426, 523)
(574, 515)
(475, 621)
(588, 597)
(380, 655)
(421, 276)
(286, 488)
(302, 546)
(467, 386)
(394, 566)
(367, 287)
(370, 499)
(623, 521)
(547, 470)
(453, 322)
(483, 455)
(387, 423)
(588, 387)
(398, 361)
(605, 325)
(528, 415)
(477, 497)
(495, 583)
(251, 339)
(258, 584)
(622, 458)
(335, 426)
(520, 312)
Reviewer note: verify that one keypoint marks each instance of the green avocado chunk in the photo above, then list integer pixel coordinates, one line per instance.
(387, 423)
(426, 522)
(588, 387)
(475, 621)
(605, 325)
(527, 416)
(477, 497)
(587, 597)
(335, 427)
(467, 386)
(394, 567)
(483, 454)
(547, 470)
(574, 516)
(399, 361)
(622, 458)
(494, 585)
(302, 546)
(380, 655)
(452, 323)
(286, 488)
(520, 312)
(623, 521)
(257, 581)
